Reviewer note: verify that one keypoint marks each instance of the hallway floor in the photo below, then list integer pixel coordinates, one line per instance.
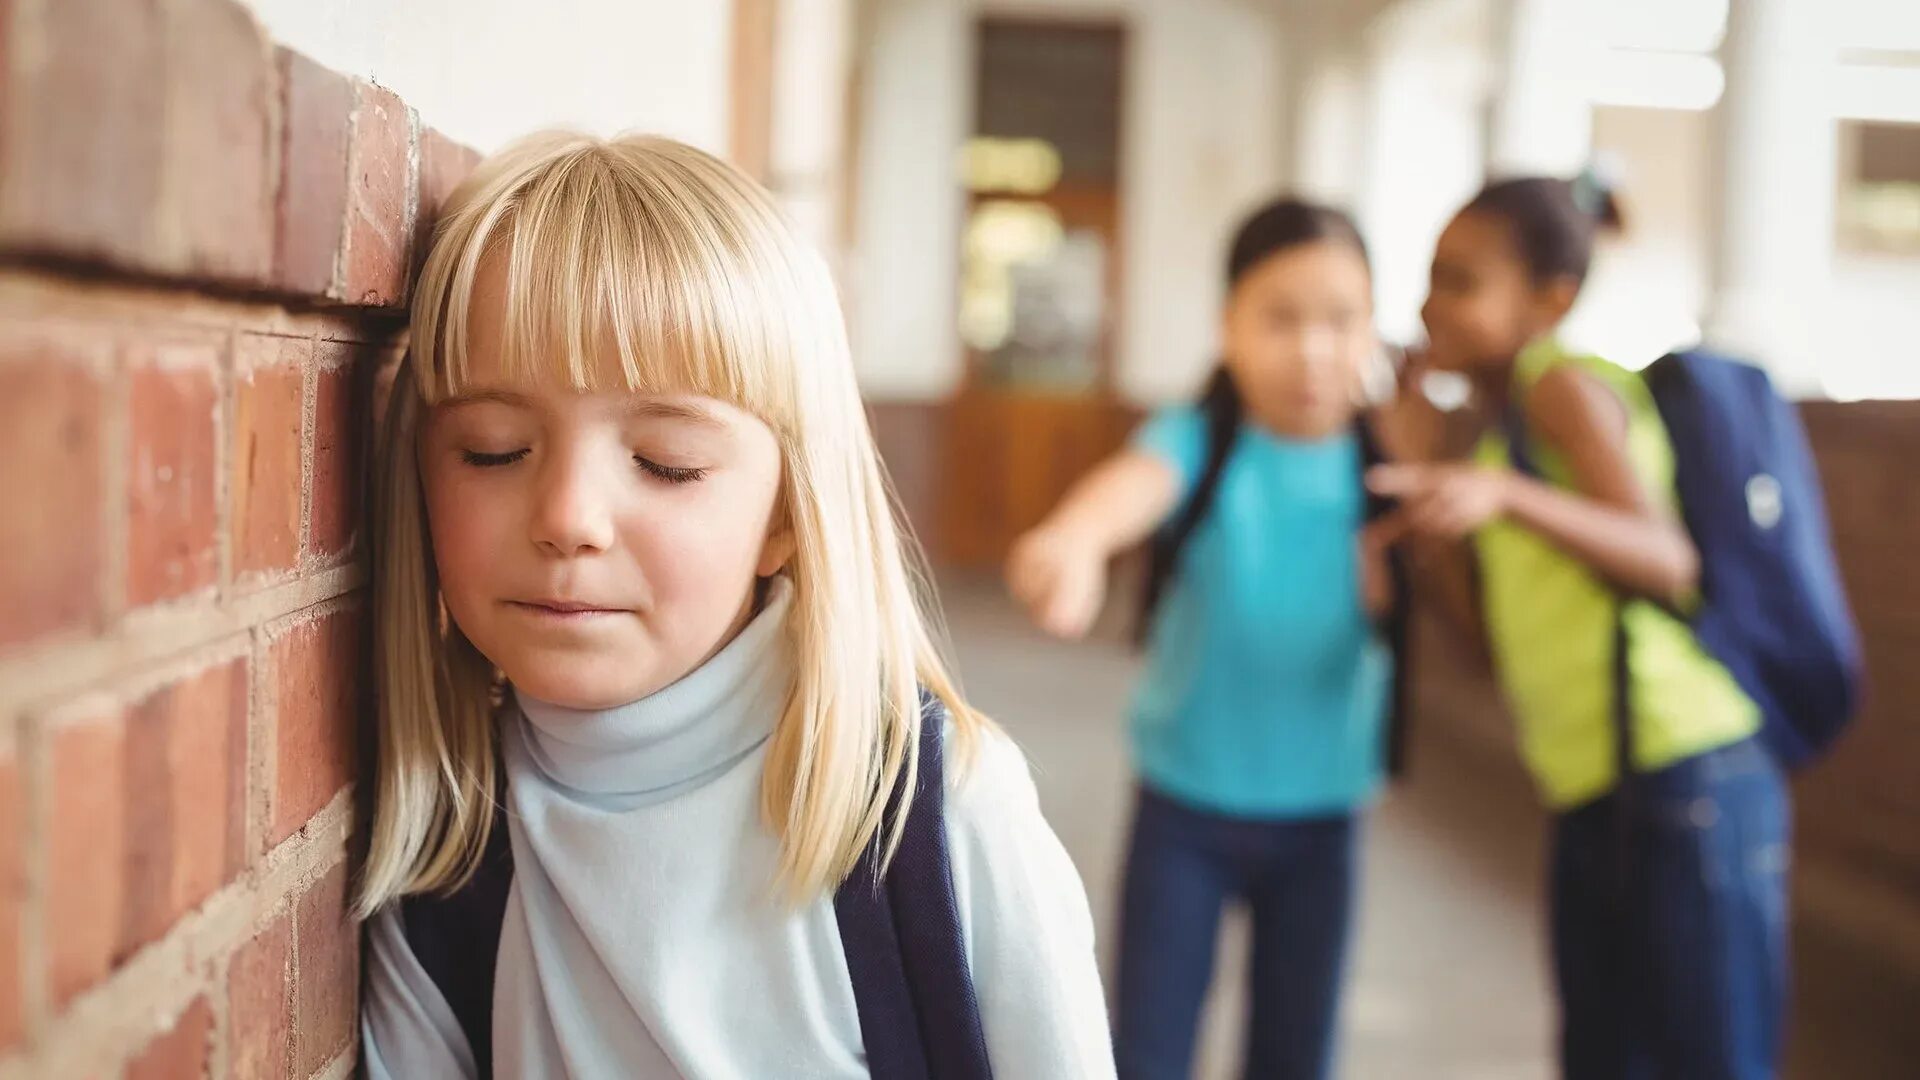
(1449, 977)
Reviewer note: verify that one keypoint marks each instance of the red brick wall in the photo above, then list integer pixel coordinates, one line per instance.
(204, 247)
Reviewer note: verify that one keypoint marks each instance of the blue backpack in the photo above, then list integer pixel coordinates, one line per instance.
(1772, 608)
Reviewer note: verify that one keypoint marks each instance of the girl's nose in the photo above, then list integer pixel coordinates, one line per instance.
(571, 512)
(1319, 348)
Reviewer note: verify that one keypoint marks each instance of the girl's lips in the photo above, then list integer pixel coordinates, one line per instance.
(562, 609)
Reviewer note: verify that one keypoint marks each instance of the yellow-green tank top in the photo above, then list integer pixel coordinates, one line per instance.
(1550, 624)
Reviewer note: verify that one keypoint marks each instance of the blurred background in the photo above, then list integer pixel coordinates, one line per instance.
(1026, 204)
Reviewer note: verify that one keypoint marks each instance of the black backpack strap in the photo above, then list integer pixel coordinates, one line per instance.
(905, 948)
(456, 938)
(1622, 715)
(1395, 625)
(1221, 408)
(889, 1027)
(1520, 455)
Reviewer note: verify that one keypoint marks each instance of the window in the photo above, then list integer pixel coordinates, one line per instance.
(1879, 190)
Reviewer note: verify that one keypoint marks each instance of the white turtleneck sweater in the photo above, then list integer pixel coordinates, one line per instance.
(643, 937)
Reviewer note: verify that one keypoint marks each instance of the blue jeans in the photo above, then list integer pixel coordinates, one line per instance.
(1296, 876)
(1676, 968)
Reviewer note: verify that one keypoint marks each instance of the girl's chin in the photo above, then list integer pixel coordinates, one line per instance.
(586, 685)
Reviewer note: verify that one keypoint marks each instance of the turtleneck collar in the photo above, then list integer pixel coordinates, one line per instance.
(677, 738)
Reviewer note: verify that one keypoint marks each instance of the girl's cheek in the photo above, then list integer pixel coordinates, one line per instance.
(681, 550)
(462, 543)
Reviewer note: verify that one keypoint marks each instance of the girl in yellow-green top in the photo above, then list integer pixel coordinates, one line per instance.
(1667, 904)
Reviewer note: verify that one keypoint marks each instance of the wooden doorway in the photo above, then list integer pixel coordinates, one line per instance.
(1041, 259)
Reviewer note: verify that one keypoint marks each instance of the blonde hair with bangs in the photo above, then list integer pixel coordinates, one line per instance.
(674, 262)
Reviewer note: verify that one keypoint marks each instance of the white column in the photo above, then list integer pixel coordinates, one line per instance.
(1307, 45)
(813, 69)
(1329, 145)
(1541, 122)
(903, 282)
(1774, 189)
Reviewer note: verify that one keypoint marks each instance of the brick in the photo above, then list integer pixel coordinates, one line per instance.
(185, 777)
(379, 191)
(316, 116)
(209, 782)
(336, 441)
(443, 164)
(265, 456)
(315, 670)
(180, 1053)
(86, 852)
(9, 31)
(50, 465)
(172, 482)
(146, 828)
(89, 189)
(219, 181)
(260, 1005)
(325, 989)
(13, 886)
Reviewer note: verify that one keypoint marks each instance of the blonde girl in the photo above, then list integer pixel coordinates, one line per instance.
(659, 708)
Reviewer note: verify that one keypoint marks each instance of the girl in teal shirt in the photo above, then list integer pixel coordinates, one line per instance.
(1257, 730)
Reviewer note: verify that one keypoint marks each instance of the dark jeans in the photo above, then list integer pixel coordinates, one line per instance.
(1679, 972)
(1296, 876)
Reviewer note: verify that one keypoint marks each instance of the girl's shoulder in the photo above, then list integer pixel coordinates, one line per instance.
(987, 782)
(983, 766)
(1585, 392)
(1551, 361)
(1176, 434)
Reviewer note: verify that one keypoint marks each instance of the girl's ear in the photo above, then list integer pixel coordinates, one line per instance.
(1554, 299)
(777, 551)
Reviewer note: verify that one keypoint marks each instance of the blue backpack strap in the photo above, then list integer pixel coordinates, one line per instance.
(456, 938)
(1520, 455)
(870, 938)
(906, 950)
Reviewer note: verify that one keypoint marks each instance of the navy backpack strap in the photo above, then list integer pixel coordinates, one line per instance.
(919, 1015)
(889, 1027)
(931, 938)
(1520, 455)
(456, 938)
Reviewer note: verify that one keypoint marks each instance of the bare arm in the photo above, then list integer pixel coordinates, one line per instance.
(1059, 569)
(1119, 503)
(1609, 522)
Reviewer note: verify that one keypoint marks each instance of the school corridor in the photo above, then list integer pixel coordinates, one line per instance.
(211, 211)
(1449, 976)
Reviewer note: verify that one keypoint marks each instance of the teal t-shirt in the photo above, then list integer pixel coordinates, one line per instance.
(1266, 687)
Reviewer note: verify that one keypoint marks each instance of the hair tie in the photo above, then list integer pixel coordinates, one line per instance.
(1595, 185)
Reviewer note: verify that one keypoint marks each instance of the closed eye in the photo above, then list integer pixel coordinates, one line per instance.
(492, 461)
(669, 473)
